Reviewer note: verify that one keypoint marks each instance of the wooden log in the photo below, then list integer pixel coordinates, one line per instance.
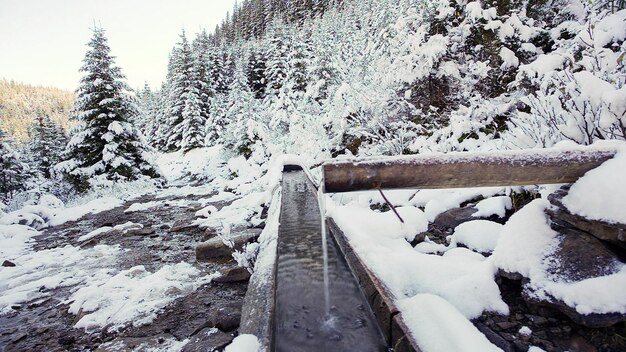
(454, 170)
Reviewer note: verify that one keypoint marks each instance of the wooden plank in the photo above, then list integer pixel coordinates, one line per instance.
(454, 170)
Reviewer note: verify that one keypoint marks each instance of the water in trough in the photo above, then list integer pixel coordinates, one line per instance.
(301, 322)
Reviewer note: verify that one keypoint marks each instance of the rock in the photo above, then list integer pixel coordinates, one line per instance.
(208, 339)
(228, 318)
(536, 319)
(506, 325)
(612, 233)
(418, 239)
(182, 226)
(19, 337)
(510, 276)
(579, 344)
(131, 343)
(233, 274)
(455, 217)
(593, 320)
(7, 263)
(216, 248)
(66, 340)
(494, 338)
(139, 232)
(581, 256)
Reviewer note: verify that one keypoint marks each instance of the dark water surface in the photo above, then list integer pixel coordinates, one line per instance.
(301, 323)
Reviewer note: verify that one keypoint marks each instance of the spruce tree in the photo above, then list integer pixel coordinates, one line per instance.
(104, 142)
(46, 144)
(179, 84)
(241, 111)
(13, 172)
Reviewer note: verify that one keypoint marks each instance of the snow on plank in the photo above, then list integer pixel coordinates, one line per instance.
(464, 169)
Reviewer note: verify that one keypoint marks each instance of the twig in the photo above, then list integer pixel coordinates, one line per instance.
(377, 186)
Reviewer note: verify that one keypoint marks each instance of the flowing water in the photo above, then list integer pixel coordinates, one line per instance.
(302, 320)
(322, 204)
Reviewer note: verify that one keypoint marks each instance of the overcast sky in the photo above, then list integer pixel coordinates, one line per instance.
(43, 42)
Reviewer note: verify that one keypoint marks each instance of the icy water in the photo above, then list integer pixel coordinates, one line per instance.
(301, 322)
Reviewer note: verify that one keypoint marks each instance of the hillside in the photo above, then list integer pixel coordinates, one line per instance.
(379, 77)
(21, 103)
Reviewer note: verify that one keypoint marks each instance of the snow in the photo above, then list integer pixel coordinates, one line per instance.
(429, 247)
(436, 325)
(592, 88)
(200, 161)
(525, 331)
(544, 64)
(437, 201)
(157, 203)
(479, 235)
(134, 295)
(611, 28)
(493, 206)
(524, 240)
(466, 281)
(15, 240)
(35, 273)
(598, 194)
(509, 59)
(244, 343)
(122, 228)
(92, 207)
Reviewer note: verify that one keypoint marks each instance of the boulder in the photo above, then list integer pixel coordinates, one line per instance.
(561, 217)
(579, 256)
(455, 217)
(146, 231)
(217, 247)
(233, 274)
(7, 263)
(179, 226)
(208, 339)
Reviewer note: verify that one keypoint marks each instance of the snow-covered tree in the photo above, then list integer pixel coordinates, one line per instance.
(13, 171)
(104, 143)
(179, 85)
(242, 113)
(45, 146)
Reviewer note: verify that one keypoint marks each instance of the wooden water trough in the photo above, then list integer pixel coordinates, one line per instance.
(456, 170)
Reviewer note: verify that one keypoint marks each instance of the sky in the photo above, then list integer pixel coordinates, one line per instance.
(43, 42)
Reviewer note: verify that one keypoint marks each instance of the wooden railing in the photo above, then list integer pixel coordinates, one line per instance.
(454, 170)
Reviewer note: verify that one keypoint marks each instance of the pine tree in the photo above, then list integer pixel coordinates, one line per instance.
(46, 144)
(104, 142)
(13, 172)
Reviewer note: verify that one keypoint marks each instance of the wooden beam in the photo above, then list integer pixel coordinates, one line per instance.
(457, 170)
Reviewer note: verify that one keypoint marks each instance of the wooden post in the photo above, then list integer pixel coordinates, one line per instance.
(454, 170)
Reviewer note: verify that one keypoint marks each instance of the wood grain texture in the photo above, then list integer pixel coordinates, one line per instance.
(460, 170)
